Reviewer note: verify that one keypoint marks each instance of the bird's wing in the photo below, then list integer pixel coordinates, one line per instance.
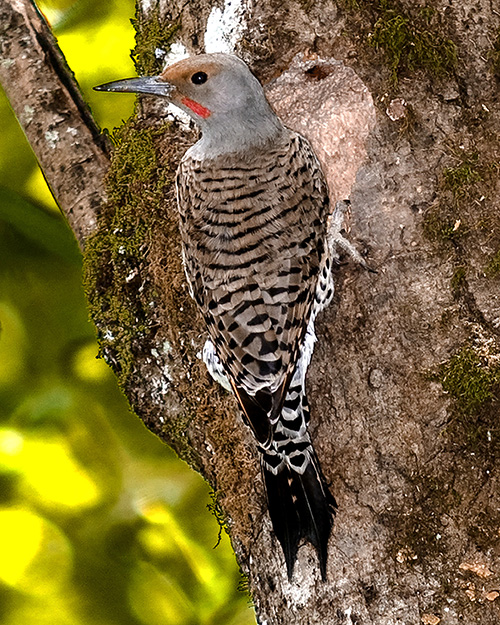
(253, 233)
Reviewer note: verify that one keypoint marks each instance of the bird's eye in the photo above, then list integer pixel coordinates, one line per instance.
(199, 78)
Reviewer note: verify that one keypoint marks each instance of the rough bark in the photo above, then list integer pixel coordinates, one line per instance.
(72, 153)
(405, 378)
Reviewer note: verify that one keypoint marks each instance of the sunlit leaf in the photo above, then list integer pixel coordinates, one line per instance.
(30, 547)
(11, 448)
(52, 476)
(87, 366)
(36, 187)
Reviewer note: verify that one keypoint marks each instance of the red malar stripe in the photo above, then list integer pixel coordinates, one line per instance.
(196, 108)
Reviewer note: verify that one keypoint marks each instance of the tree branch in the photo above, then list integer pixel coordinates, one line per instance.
(58, 124)
(413, 457)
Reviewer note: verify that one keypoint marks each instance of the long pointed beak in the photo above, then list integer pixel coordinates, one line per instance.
(151, 85)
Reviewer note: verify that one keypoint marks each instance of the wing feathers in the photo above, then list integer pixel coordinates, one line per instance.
(252, 235)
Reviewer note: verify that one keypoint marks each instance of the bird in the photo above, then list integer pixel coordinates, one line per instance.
(253, 217)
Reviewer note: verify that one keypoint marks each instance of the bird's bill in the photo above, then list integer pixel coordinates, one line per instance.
(151, 85)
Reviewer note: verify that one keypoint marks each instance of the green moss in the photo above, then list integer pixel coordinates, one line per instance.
(114, 254)
(470, 378)
(493, 268)
(461, 178)
(176, 433)
(450, 218)
(135, 163)
(439, 225)
(216, 509)
(153, 33)
(410, 43)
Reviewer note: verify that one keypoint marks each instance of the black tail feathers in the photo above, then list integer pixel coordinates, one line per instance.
(300, 506)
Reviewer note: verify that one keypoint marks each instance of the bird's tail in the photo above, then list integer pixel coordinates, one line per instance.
(300, 504)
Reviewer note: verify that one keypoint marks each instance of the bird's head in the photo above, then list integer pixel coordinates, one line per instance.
(203, 85)
(218, 91)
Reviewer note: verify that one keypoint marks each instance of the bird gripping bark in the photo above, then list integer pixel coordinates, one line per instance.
(253, 208)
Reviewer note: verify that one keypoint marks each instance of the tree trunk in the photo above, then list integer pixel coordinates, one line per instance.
(405, 377)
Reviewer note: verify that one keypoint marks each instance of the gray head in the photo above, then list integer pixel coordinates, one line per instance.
(222, 96)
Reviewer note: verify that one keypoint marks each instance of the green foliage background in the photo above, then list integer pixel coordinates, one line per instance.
(100, 523)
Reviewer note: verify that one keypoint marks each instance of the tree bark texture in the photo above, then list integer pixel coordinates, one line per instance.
(50, 108)
(401, 103)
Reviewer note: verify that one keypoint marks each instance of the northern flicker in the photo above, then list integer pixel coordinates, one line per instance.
(253, 206)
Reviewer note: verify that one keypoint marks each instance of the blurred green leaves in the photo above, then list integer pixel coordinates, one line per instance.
(100, 524)
(44, 230)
